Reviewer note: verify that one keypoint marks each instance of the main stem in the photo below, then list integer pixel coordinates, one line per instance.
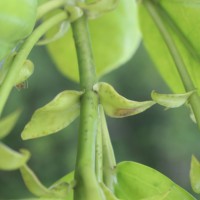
(180, 65)
(87, 185)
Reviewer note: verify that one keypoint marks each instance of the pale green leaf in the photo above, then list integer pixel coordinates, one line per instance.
(171, 100)
(7, 123)
(195, 175)
(10, 159)
(115, 37)
(64, 27)
(116, 105)
(58, 190)
(54, 116)
(25, 72)
(182, 21)
(32, 182)
(138, 182)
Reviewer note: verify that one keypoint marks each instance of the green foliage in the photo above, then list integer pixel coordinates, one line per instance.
(137, 181)
(10, 159)
(171, 100)
(16, 24)
(8, 122)
(116, 105)
(181, 19)
(111, 48)
(195, 175)
(54, 116)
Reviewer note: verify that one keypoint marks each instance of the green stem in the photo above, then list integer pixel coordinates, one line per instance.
(180, 65)
(87, 186)
(23, 53)
(49, 6)
(109, 162)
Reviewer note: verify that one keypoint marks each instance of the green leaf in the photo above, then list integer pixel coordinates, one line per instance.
(195, 175)
(115, 38)
(8, 122)
(171, 100)
(54, 116)
(10, 159)
(182, 22)
(137, 181)
(116, 105)
(32, 182)
(25, 72)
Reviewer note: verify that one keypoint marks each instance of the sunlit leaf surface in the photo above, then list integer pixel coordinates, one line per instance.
(182, 20)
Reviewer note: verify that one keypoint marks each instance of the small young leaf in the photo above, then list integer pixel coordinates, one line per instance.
(25, 72)
(139, 182)
(54, 116)
(10, 159)
(171, 100)
(116, 105)
(8, 122)
(195, 175)
(64, 27)
(98, 7)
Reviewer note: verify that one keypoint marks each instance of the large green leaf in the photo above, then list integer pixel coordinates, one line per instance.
(182, 20)
(54, 116)
(137, 182)
(115, 38)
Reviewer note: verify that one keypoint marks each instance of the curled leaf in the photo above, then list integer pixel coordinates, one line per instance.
(32, 182)
(54, 116)
(38, 189)
(195, 175)
(171, 100)
(10, 159)
(98, 7)
(116, 105)
(64, 27)
(25, 72)
(74, 12)
(8, 122)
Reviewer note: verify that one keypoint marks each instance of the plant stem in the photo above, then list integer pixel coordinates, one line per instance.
(87, 186)
(109, 162)
(180, 65)
(9, 80)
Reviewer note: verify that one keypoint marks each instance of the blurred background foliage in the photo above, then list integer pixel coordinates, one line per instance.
(162, 139)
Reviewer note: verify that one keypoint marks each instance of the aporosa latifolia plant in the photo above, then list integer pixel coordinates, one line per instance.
(76, 35)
